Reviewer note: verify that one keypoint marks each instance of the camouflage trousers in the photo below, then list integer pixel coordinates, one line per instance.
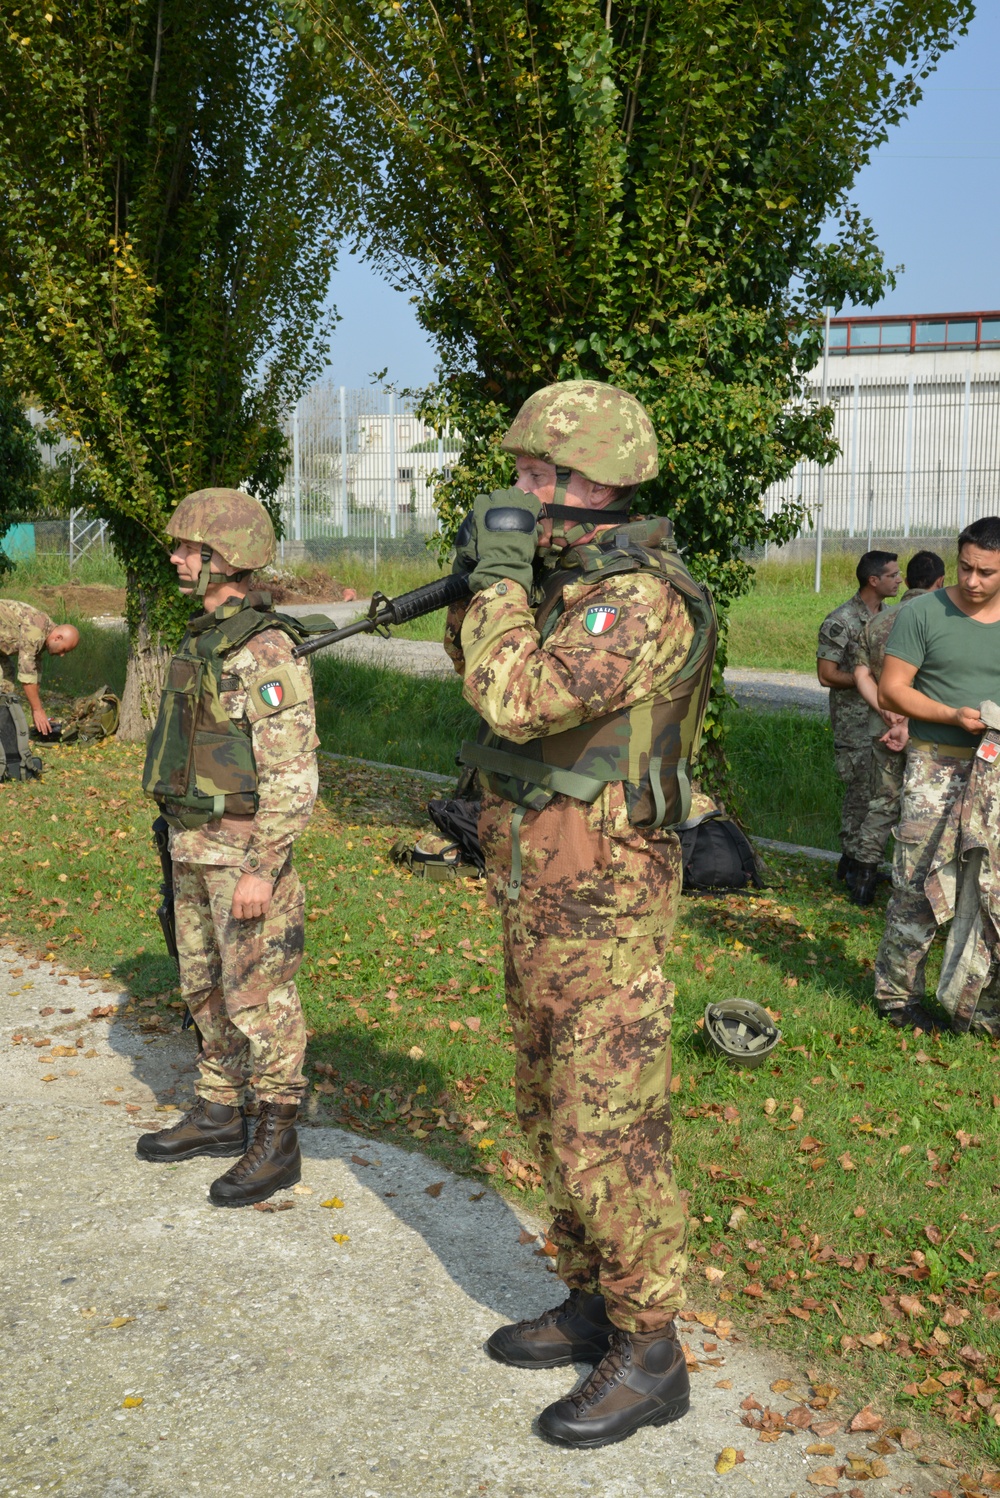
(882, 815)
(591, 1009)
(855, 767)
(238, 980)
(933, 781)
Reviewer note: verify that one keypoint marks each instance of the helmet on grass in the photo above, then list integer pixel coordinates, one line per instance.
(741, 1032)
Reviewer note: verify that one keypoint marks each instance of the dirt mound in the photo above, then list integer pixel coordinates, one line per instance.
(86, 600)
(311, 585)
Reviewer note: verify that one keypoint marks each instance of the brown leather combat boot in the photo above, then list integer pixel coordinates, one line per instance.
(208, 1129)
(272, 1162)
(641, 1380)
(578, 1331)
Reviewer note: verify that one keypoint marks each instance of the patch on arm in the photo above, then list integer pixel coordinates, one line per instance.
(600, 618)
(272, 691)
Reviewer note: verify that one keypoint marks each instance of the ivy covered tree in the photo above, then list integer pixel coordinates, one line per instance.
(171, 206)
(634, 191)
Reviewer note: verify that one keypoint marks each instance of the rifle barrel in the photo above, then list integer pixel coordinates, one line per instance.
(412, 605)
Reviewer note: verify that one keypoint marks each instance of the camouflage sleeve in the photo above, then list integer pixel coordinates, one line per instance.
(278, 704)
(835, 643)
(31, 642)
(616, 642)
(863, 649)
(453, 635)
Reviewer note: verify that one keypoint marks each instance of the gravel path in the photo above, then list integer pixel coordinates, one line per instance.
(156, 1347)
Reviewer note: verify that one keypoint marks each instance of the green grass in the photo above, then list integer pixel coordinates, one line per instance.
(774, 628)
(783, 777)
(99, 659)
(50, 568)
(855, 1168)
(389, 716)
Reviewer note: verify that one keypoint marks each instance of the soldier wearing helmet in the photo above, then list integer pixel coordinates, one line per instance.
(232, 765)
(587, 650)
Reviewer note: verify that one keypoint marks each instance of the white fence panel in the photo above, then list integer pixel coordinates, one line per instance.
(918, 456)
(363, 466)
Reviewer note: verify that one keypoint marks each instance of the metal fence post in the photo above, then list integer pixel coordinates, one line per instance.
(296, 474)
(964, 476)
(393, 471)
(343, 463)
(852, 502)
(871, 504)
(818, 579)
(908, 459)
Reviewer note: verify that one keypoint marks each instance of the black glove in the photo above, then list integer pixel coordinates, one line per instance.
(505, 538)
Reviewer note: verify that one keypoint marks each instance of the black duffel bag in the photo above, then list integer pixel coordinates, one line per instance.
(717, 854)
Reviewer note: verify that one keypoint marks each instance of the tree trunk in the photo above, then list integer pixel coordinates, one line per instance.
(147, 664)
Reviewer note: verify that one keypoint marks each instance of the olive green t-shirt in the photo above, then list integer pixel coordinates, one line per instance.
(957, 660)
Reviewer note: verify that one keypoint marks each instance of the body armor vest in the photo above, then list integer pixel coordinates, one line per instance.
(199, 761)
(648, 746)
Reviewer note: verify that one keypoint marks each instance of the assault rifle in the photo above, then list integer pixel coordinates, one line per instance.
(384, 612)
(161, 839)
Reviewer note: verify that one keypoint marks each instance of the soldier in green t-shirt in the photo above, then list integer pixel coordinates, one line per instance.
(942, 661)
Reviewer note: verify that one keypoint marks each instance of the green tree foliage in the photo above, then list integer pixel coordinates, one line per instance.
(633, 191)
(170, 211)
(20, 465)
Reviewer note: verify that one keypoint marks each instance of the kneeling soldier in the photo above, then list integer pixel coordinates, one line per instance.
(232, 765)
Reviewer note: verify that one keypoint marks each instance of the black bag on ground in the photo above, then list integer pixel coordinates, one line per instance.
(717, 854)
(459, 820)
(16, 760)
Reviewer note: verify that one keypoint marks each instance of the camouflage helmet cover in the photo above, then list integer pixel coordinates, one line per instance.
(598, 430)
(234, 524)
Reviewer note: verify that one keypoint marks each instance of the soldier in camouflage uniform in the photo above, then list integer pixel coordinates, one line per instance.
(878, 578)
(232, 764)
(924, 572)
(589, 662)
(25, 634)
(943, 652)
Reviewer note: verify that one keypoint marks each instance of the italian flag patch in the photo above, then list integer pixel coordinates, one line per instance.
(271, 693)
(601, 618)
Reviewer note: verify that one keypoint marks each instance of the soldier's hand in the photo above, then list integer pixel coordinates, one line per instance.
(251, 897)
(506, 538)
(969, 719)
(40, 720)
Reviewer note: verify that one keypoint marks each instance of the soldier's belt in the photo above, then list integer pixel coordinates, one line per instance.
(942, 751)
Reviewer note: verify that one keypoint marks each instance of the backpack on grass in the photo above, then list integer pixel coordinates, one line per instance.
(16, 759)
(717, 854)
(91, 718)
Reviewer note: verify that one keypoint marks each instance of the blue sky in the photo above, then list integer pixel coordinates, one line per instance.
(931, 192)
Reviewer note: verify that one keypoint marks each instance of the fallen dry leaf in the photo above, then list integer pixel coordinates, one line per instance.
(341, 1237)
(823, 1428)
(770, 1106)
(800, 1418)
(780, 1385)
(797, 1113)
(132, 1402)
(874, 1339)
(284, 1206)
(845, 1162)
(477, 1196)
(724, 1383)
(415, 1053)
(301, 1189)
(525, 1237)
(820, 1448)
(737, 1216)
(933, 1235)
(434, 1190)
(117, 1321)
(911, 1305)
(866, 1419)
(825, 1477)
(63, 1050)
(727, 1459)
(714, 1275)
(333, 1201)
(358, 1160)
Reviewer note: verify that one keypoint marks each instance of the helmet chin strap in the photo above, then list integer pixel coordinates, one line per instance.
(205, 576)
(571, 523)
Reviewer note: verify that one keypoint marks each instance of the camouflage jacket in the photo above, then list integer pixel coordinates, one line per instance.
(23, 632)
(838, 642)
(871, 645)
(284, 745)
(525, 689)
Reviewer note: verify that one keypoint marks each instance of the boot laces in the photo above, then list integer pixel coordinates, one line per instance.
(548, 1318)
(191, 1116)
(610, 1370)
(262, 1140)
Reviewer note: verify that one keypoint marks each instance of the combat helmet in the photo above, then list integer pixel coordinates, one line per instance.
(228, 521)
(741, 1032)
(594, 429)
